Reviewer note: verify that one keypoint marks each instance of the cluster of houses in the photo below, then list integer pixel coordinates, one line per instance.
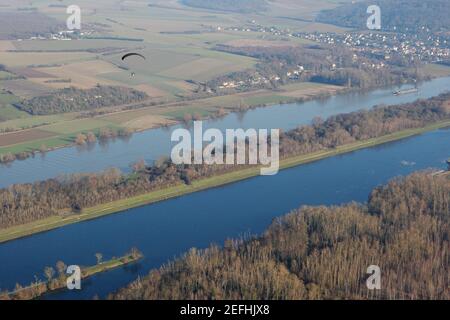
(295, 74)
(424, 46)
(65, 35)
(257, 79)
(429, 48)
(253, 26)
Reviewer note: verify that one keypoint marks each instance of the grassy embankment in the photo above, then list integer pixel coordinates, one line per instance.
(179, 190)
(110, 264)
(38, 289)
(65, 127)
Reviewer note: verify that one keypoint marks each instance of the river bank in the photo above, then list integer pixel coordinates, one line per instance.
(180, 190)
(29, 143)
(22, 144)
(153, 144)
(167, 229)
(40, 288)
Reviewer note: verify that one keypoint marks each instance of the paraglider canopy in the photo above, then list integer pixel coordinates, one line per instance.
(132, 54)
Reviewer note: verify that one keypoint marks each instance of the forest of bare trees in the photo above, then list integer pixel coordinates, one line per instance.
(409, 16)
(70, 194)
(73, 99)
(324, 252)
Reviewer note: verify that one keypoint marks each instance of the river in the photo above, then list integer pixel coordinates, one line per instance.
(152, 144)
(167, 229)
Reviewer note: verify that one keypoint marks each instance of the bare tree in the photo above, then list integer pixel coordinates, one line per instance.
(80, 139)
(99, 258)
(49, 273)
(61, 267)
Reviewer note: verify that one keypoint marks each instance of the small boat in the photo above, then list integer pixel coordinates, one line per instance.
(405, 91)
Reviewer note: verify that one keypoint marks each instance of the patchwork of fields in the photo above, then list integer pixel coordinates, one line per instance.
(177, 41)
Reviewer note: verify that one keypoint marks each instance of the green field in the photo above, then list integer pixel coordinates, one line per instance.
(65, 127)
(270, 99)
(176, 191)
(179, 114)
(75, 126)
(7, 98)
(50, 143)
(27, 121)
(79, 45)
(7, 110)
(5, 75)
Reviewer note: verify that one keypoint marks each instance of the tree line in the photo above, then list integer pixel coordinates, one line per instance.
(57, 279)
(242, 6)
(397, 15)
(324, 252)
(70, 194)
(73, 100)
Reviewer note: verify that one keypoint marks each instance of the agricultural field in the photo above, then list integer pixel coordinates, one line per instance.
(7, 110)
(436, 70)
(308, 89)
(6, 45)
(259, 43)
(58, 134)
(83, 75)
(23, 59)
(23, 136)
(5, 75)
(177, 41)
(25, 121)
(87, 45)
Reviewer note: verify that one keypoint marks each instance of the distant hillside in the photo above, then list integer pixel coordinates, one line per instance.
(243, 6)
(324, 253)
(22, 25)
(400, 15)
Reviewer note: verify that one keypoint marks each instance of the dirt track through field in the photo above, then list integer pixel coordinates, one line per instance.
(8, 139)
